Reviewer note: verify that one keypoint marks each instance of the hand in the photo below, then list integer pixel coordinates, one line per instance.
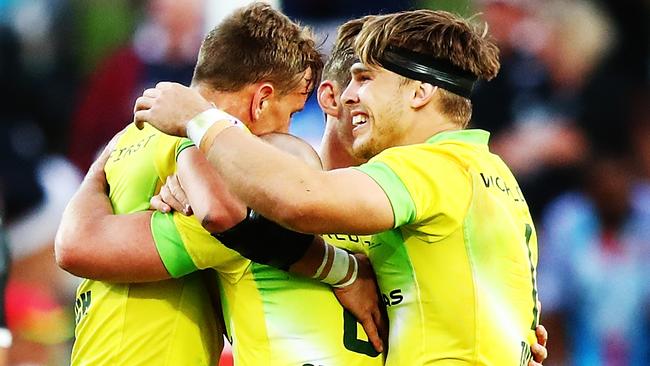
(361, 298)
(540, 353)
(171, 197)
(168, 107)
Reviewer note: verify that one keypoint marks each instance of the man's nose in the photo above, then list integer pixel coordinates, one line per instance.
(350, 95)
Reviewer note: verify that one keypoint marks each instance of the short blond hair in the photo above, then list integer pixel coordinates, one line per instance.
(438, 34)
(257, 43)
(337, 67)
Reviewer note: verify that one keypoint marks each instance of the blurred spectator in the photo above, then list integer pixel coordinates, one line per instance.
(164, 47)
(550, 51)
(41, 75)
(593, 277)
(614, 92)
(36, 183)
(21, 140)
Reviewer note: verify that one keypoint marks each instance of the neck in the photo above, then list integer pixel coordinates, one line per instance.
(232, 103)
(334, 153)
(425, 125)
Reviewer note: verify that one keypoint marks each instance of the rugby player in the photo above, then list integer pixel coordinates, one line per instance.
(273, 318)
(172, 322)
(454, 246)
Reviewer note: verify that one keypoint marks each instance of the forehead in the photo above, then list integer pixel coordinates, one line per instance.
(360, 67)
(375, 71)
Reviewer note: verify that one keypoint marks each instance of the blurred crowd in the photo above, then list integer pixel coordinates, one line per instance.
(569, 113)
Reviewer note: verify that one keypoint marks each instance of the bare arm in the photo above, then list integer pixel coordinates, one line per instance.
(275, 184)
(93, 243)
(288, 191)
(213, 204)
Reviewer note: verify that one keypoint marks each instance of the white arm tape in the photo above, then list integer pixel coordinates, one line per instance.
(198, 126)
(340, 267)
(326, 257)
(355, 273)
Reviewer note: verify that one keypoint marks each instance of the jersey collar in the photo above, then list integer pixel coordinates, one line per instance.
(472, 136)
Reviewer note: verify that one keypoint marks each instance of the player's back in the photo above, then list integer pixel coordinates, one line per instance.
(458, 273)
(168, 322)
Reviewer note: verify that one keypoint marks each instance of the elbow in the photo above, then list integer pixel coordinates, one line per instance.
(220, 219)
(64, 254)
(68, 253)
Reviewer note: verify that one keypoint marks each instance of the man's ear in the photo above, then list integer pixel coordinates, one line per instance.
(261, 100)
(423, 94)
(328, 98)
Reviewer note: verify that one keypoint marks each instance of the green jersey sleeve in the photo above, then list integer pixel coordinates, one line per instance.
(184, 246)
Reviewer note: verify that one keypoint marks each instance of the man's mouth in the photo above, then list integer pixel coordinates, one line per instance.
(359, 119)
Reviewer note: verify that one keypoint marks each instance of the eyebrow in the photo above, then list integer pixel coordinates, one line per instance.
(358, 68)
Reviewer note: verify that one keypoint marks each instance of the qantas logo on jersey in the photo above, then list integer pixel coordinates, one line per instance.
(491, 181)
(393, 298)
(81, 305)
(124, 152)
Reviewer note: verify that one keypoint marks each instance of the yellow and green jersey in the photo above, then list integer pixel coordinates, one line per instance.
(168, 322)
(273, 318)
(457, 272)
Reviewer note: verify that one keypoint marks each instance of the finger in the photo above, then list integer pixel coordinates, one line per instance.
(169, 199)
(157, 204)
(143, 103)
(164, 85)
(382, 326)
(539, 352)
(542, 335)
(533, 363)
(179, 193)
(151, 93)
(371, 331)
(140, 117)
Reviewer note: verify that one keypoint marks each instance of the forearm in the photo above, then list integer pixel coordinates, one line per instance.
(212, 202)
(288, 191)
(79, 216)
(327, 264)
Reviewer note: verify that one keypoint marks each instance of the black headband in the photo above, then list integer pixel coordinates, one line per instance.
(436, 71)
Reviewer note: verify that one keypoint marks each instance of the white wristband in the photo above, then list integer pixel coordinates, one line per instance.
(340, 267)
(198, 126)
(353, 277)
(326, 257)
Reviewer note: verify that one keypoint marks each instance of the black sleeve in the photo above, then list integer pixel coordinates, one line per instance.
(264, 241)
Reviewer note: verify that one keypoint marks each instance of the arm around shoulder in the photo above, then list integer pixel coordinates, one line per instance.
(92, 242)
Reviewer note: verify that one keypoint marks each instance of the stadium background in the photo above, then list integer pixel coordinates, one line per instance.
(569, 113)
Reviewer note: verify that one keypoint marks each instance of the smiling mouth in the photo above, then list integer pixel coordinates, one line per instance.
(359, 120)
